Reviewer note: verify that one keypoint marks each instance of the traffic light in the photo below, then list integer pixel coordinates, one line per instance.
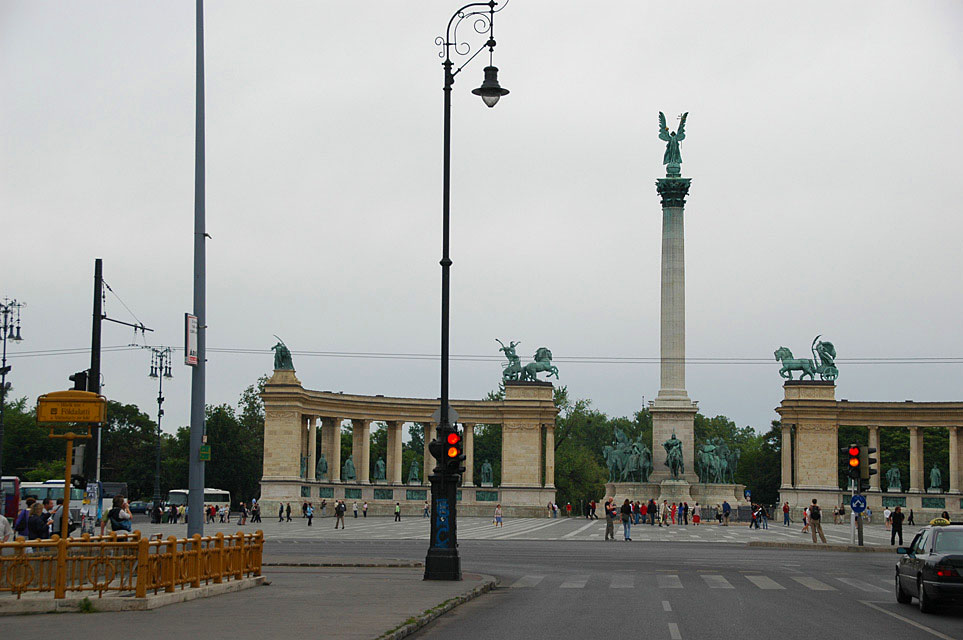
(454, 456)
(866, 467)
(853, 470)
(80, 380)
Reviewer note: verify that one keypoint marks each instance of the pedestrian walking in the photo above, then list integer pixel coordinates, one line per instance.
(354, 507)
(287, 512)
(609, 520)
(897, 529)
(324, 505)
(785, 514)
(397, 512)
(910, 520)
(664, 513)
(498, 516)
(256, 513)
(280, 512)
(551, 510)
(726, 512)
(339, 510)
(886, 516)
(696, 514)
(764, 516)
(685, 513)
(672, 511)
(427, 510)
(364, 509)
(805, 520)
(653, 511)
(643, 511)
(309, 514)
(814, 522)
(594, 504)
(626, 512)
(568, 509)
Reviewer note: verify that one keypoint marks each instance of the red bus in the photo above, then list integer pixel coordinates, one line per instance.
(10, 486)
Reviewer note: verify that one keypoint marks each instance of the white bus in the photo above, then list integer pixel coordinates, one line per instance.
(54, 490)
(216, 497)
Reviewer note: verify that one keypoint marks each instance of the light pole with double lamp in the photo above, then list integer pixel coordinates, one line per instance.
(442, 562)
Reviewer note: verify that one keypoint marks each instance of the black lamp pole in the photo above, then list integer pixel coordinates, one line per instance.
(442, 562)
(8, 309)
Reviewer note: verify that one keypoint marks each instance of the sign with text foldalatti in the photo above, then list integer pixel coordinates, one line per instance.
(190, 340)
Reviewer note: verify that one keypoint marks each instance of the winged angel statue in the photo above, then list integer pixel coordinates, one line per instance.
(673, 157)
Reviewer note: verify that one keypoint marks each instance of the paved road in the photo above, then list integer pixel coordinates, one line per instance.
(677, 590)
(414, 528)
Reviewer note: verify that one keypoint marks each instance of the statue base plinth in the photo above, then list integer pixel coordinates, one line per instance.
(284, 376)
(892, 490)
(676, 490)
(487, 484)
(931, 490)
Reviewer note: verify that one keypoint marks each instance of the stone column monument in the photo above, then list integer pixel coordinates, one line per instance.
(672, 410)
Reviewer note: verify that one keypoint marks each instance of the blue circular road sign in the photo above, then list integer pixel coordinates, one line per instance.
(858, 504)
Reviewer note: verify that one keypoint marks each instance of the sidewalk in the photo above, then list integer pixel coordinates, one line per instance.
(300, 602)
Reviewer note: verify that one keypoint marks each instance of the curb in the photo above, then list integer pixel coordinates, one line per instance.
(393, 564)
(808, 546)
(120, 603)
(488, 583)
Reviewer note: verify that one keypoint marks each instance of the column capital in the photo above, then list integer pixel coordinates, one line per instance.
(673, 191)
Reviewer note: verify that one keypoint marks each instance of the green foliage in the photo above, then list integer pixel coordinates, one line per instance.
(47, 470)
(582, 478)
(760, 467)
(25, 443)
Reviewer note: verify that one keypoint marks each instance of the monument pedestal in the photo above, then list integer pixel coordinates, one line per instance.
(675, 491)
(673, 414)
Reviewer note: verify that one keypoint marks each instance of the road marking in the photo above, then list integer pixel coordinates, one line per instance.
(669, 582)
(674, 631)
(908, 621)
(622, 581)
(717, 582)
(579, 530)
(813, 583)
(764, 582)
(575, 582)
(862, 586)
(527, 581)
(666, 606)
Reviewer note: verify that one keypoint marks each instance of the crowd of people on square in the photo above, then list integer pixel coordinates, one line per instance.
(664, 514)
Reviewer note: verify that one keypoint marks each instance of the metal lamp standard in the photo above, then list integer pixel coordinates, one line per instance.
(10, 312)
(160, 368)
(442, 562)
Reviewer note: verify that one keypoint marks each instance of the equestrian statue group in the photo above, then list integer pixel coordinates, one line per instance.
(514, 369)
(823, 362)
(716, 463)
(627, 461)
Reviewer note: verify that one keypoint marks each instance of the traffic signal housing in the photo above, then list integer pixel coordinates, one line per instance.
(852, 468)
(866, 467)
(454, 453)
(80, 380)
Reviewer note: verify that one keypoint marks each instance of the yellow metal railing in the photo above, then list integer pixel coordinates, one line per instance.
(127, 563)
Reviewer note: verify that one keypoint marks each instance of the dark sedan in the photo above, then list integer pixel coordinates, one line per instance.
(931, 568)
(138, 506)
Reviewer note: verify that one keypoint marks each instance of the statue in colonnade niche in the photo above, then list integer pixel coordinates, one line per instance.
(893, 480)
(936, 479)
(414, 473)
(321, 470)
(673, 456)
(486, 473)
(304, 466)
(379, 473)
(347, 470)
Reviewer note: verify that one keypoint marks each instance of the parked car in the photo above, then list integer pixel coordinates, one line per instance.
(138, 506)
(931, 568)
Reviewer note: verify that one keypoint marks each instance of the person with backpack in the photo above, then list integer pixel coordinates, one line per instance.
(309, 513)
(815, 522)
(609, 520)
(119, 515)
(20, 522)
(339, 514)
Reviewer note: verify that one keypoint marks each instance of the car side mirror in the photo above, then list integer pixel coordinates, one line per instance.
(903, 551)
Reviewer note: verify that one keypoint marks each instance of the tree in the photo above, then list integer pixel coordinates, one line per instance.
(578, 475)
(25, 443)
(128, 448)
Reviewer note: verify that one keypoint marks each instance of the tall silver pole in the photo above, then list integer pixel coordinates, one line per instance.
(195, 500)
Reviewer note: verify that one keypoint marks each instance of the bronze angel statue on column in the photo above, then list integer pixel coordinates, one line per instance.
(672, 157)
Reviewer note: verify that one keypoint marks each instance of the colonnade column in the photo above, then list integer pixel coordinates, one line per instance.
(312, 448)
(916, 461)
(303, 455)
(954, 459)
(874, 444)
(331, 446)
(786, 450)
(428, 463)
(394, 452)
(469, 449)
(550, 456)
(361, 449)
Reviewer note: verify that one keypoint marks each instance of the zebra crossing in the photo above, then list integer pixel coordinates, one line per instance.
(700, 580)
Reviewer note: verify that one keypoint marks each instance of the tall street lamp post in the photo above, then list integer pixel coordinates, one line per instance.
(9, 330)
(160, 368)
(442, 562)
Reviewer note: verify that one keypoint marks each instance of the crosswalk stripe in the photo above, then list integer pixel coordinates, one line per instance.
(580, 529)
(623, 581)
(575, 582)
(527, 581)
(862, 586)
(764, 582)
(717, 582)
(674, 631)
(670, 581)
(813, 583)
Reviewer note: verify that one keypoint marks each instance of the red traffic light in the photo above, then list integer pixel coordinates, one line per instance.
(854, 452)
(454, 438)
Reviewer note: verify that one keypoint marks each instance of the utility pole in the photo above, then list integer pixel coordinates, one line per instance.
(91, 466)
(8, 309)
(195, 484)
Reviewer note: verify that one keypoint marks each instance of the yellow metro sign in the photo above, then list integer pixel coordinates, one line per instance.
(71, 406)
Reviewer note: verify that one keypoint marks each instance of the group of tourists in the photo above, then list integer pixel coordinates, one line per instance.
(340, 509)
(665, 514)
(38, 520)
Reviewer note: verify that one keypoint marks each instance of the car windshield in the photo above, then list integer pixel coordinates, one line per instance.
(948, 542)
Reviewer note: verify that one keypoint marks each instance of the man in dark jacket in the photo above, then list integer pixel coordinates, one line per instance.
(897, 520)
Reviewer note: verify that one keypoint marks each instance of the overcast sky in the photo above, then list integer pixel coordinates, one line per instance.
(823, 141)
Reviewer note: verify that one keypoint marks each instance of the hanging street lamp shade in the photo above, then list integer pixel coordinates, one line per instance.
(490, 91)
